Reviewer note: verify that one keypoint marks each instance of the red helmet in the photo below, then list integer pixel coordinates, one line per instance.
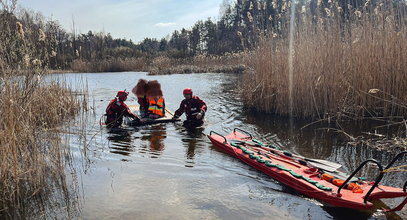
(122, 95)
(187, 91)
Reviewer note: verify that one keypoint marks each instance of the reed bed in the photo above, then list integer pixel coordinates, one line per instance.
(342, 68)
(229, 63)
(112, 65)
(33, 160)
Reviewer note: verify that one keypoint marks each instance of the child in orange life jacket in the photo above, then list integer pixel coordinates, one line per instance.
(155, 100)
(194, 108)
(117, 109)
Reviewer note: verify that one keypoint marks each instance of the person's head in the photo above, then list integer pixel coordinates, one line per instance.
(187, 93)
(122, 95)
(141, 88)
(154, 89)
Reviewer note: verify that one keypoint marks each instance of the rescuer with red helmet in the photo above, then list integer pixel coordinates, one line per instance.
(194, 108)
(117, 109)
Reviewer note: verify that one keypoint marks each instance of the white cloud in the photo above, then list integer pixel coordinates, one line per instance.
(168, 24)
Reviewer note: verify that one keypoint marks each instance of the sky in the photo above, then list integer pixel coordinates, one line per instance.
(130, 19)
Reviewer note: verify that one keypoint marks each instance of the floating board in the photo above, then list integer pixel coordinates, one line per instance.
(148, 121)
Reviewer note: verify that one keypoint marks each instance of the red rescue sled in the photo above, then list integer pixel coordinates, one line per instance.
(323, 183)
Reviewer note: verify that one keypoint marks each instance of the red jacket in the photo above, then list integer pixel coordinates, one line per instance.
(191, 107)
(115, 112)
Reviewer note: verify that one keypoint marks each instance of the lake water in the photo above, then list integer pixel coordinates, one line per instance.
(164, 171)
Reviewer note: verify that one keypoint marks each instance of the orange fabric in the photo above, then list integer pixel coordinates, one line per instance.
(327, 177)
(338, 182)
(156, 107)
(357, 190)
(352, 185)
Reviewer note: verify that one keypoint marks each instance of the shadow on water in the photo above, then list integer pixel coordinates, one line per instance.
(345, 213)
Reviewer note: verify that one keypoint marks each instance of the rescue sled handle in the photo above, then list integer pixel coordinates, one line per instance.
(238, 129)
(378, 179)
(395, 159)
(210, 134)
(398, 156)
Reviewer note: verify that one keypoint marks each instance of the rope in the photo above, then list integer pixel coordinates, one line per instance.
(395, 169)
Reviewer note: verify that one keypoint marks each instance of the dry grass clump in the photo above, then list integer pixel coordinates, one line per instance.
(341, 68)
(32, 157)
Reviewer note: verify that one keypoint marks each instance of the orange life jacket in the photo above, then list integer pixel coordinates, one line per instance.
(156, 107)
(338, 182)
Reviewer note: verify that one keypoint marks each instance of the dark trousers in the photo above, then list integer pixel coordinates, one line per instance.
(193, 123)
(113, 122)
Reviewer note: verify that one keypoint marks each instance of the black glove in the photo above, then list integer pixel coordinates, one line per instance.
(136, 120)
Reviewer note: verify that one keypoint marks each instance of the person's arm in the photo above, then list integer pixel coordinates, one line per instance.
(202, 105)
(180, 110)
(127, 112)
(109, 107)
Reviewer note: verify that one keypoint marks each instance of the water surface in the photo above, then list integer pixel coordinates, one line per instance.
(164, 171)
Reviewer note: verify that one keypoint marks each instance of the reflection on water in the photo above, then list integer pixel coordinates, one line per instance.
(176, 173)
(153, 137)
(121, 141)
(192, 140)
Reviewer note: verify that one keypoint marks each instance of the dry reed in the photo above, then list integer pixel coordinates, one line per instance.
(33, 159)
(228, 63)
(112, 65)
(342, 68)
